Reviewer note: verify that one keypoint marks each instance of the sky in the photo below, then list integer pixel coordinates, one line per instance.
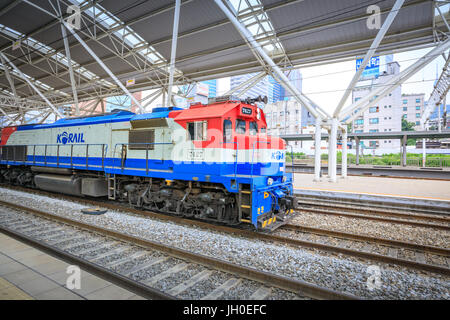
(326, 84)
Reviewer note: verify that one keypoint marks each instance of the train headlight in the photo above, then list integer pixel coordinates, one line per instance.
(269, 181)
(284, 178)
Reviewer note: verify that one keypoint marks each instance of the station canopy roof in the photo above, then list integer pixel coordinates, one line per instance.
(133, 38)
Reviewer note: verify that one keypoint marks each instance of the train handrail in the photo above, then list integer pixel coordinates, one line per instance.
(236, 158)
(46, 145)
(292, 154)
(253, 154)
(147, 144)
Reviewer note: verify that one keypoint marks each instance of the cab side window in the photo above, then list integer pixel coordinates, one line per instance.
(253, 128)
(240, 126)
(197, 131)
(227, 131)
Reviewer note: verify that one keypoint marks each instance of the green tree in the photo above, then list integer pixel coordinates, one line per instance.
(408, 126)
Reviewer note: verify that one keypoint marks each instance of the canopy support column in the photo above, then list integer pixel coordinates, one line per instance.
(317, 150)
(344, 154)
(332, 151)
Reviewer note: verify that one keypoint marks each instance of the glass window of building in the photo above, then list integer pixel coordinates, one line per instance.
(359, 121)
(417, 107)
(373, 120)
(373, 130)
(373, 109)
(405, 108)
(417, 100)
(358, 131)
(405, 101)
(417, 123)
(417, 115)
(404, 116)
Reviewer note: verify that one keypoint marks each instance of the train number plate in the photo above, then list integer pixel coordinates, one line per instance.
(196, 155)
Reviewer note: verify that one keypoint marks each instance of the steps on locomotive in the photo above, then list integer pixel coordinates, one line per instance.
(111, 186)
(245, 203)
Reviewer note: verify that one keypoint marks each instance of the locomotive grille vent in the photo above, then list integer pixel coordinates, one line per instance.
(14, 153)
(140, 139)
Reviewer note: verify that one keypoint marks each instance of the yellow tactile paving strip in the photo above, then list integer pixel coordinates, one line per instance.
(10, 292)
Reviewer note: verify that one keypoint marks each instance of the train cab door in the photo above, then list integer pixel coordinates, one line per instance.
(118, 146)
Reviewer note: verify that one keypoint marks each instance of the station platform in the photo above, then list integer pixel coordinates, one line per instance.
(30, 274)
(435, 191)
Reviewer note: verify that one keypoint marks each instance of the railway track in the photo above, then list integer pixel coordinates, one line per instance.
(376, 214)
(410, 255)
(148, 268)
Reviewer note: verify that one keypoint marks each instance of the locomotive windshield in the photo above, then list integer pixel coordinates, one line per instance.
(240, 126)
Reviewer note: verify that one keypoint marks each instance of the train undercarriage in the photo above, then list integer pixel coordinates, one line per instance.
(205, 201)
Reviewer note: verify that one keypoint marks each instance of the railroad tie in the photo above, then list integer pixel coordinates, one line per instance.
(261, 294)
(190, 283)
(136, 255)
(145, 266)
(179, 267)
(367, 248)
(420, 257)
(218, 292)
(393, 252)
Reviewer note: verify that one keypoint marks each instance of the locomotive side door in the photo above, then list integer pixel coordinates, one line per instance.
(118, 150)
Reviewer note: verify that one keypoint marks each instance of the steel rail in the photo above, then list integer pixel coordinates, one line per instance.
(375, 218)
(251, 234)
(285, 283)
(377, 210)
(360, 237)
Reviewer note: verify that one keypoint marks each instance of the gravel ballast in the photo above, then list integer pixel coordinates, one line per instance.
(334, 272)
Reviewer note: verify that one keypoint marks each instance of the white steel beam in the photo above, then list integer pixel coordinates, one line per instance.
(276, 70)
(173, 53)
(247, 84)
(32, 86)
(366, 102)
(376, 42)
(72, 78)
(439, 93)
(100, 62)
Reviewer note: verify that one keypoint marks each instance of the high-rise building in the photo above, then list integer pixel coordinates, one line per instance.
(212, 84)
(268, 86)
(260, 89)
(386, 115)
(412, 108)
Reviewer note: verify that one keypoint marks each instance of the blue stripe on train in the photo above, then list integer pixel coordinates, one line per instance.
(167, 169)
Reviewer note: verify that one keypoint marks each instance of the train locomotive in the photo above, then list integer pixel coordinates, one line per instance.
(212, 162)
